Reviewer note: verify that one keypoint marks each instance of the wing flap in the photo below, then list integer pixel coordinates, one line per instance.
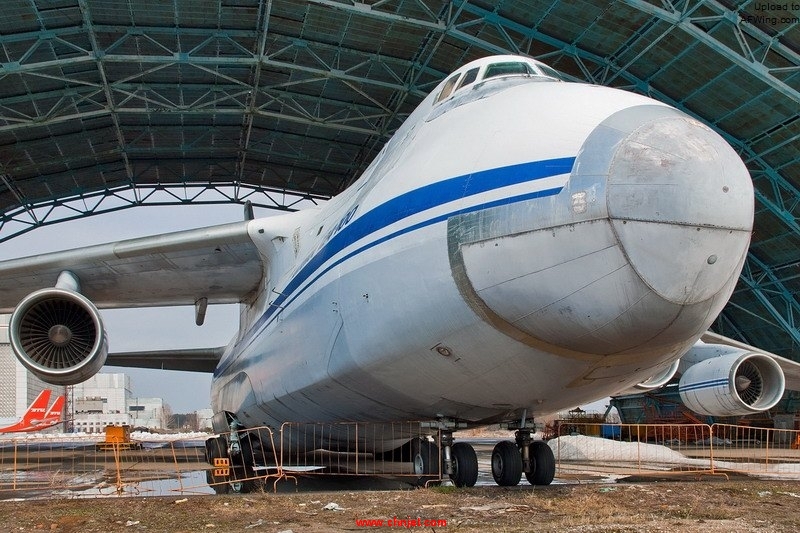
(220, 263)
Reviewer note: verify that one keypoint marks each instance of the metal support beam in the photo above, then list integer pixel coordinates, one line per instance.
(752, 275)
(747, 61)
(22, 220)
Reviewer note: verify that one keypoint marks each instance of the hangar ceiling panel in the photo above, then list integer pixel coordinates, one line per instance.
(109, 104)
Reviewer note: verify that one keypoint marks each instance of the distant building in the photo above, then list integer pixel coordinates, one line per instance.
(100, 401)
(18, 387)
(204, 417)
(147, 413)
(104, 399)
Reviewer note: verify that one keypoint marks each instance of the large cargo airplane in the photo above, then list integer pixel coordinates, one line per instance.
(38, 416)
(520, 246)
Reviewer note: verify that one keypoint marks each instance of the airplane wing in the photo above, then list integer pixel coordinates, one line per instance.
(791, 369)
(220, 263)
(57, 338)
(191, 360)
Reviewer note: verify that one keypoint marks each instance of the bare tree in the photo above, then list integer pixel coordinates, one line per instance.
(167, 418)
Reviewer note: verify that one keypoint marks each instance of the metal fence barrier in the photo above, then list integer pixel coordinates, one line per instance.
(360, 448)
(81, 466)
(764, 452)
(667, 448)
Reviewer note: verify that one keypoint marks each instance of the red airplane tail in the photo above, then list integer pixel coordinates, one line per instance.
(56, 411)
(38, 409)
(37, 413)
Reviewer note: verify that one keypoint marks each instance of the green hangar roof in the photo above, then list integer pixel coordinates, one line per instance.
(109, 104)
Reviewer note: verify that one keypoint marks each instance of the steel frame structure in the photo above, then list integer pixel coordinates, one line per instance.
(108, 106)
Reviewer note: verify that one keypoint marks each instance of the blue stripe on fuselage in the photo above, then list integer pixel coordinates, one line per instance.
(403, 206)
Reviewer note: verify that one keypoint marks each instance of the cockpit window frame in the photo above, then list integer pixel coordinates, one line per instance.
(469, 78)
(527, 67)
(448, 88)
(483, 73)
(549, 72)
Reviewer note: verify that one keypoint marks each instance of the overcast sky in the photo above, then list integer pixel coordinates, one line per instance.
(143, 329)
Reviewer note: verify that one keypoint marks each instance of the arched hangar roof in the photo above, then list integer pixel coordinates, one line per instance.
(108, 104)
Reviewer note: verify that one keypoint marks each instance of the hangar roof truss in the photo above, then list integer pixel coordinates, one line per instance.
(110, 104)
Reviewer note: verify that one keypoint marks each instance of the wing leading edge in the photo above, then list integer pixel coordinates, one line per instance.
(220, 263)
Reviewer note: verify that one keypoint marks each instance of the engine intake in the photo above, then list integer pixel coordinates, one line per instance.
(58, 335)
(734, 384)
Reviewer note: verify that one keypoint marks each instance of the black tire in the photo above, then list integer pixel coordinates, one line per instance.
(425, 458)
(543, 464)
(403, 454)
(245, 457)
(465, 465)
(236, 483)
(216, 448)
(506, 464)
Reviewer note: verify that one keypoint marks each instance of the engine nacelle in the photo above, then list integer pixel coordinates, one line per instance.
(58, 335)
(660, 379)
(735, 383)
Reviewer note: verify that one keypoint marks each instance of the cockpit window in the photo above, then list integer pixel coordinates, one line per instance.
(469, 77)
(448, 88)
(550, 72)
(457, 82)
(507, 69)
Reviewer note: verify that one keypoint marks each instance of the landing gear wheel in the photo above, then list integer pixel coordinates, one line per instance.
(506, 464)
(465, 465)
(245, 456)
(543, 464)
(238, 476)
(425, 458)
(231, 484)
(216, 448)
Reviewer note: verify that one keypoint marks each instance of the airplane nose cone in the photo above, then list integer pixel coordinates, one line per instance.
(640, 250)
(679, 200)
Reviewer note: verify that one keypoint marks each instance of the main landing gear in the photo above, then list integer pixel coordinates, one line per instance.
(510, 459)
(458, 460)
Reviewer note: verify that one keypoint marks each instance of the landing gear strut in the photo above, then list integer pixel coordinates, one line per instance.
(237, 448)
(460, 461)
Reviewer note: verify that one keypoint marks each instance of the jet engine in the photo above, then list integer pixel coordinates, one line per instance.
(58, 335)
(734, 383)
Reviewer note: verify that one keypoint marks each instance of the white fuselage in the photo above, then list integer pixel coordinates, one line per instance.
(523, 244)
